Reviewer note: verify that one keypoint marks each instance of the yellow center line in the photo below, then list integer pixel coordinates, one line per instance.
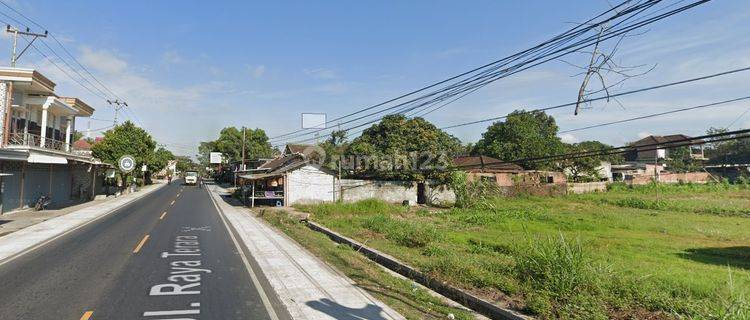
(140, 244)
(86, 315)
(162, 215)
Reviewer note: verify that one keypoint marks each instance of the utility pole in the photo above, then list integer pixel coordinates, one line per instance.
(656, 174)
(14, 57)
(243, 148)
(118, 105)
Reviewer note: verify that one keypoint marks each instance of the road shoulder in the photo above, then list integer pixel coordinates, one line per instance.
(27, 239)
(308, 288)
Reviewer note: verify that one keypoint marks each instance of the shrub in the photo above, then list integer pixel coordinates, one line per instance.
(555, 265)
(470, 194)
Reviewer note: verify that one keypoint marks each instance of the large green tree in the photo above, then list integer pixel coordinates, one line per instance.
(728, 151)
(125, 139)
(160, 159)
(335, 146)
(184, 163)
(522, 135)
(420, 146)
(229, 143)
(204, 152)
(585, 169)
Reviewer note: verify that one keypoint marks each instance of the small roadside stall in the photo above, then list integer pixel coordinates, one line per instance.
(287, 180)
(264, 188)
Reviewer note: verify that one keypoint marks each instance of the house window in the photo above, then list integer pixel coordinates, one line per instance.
(546, 179)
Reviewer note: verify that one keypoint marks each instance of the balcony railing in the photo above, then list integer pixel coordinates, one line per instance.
(33, 140)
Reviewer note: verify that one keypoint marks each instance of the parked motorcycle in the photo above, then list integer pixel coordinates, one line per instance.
(42, 203)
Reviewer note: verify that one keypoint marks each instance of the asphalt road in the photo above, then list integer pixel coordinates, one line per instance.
(167, 255)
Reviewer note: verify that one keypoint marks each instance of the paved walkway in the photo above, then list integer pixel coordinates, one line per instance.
(31, 229)
(309, 288)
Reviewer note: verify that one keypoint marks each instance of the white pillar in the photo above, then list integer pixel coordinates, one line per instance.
(44, 126)
(45, 108)
(68, 128)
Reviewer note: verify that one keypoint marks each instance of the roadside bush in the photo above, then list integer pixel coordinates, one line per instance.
(405, 233)
(556, 265)
(472, 194)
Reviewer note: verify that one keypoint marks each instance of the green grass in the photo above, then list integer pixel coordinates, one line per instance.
(627, 253)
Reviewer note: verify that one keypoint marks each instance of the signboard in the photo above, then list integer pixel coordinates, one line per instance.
(126, 163)
(313, 121)
(215, 157)
(144, 168)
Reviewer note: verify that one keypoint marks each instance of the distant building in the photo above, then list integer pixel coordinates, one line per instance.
(510, 177)
(654, 148)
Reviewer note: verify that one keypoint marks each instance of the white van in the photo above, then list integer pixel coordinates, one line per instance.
(191, 177)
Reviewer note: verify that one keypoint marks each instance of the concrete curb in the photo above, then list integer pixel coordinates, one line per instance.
(466, 299)
(18, 243)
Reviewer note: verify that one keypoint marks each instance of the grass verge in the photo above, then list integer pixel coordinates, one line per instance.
(402, 295)
(625, 254)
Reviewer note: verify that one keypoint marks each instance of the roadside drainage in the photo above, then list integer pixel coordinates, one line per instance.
(464, 298)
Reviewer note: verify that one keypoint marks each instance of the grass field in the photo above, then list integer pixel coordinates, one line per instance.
(628, 253)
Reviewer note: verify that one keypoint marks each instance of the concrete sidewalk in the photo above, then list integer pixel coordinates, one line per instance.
(35, 234)
(308, 288)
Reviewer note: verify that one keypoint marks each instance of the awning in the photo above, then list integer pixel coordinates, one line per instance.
(43, 158)
(260, 175)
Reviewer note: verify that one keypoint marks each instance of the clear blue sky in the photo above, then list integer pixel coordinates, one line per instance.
(189, 68)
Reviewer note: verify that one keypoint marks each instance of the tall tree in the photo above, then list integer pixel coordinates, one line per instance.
(522, 135)
(204, 152)
(125, 139)
(334, 148)
(229, 143)
(427, 149)
(160, 159)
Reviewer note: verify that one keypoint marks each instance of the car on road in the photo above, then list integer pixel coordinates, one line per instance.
(191, 177)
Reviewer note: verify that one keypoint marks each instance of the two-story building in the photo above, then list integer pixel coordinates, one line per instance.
(37, 156)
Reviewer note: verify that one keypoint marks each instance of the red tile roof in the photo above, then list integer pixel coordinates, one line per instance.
(484, 164)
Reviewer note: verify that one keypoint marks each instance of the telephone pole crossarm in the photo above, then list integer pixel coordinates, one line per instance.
(14, 57)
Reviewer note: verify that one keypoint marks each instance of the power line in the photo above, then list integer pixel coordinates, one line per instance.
(657, 114)
(505, 59)
(687, 141)
(488, 76)
(670, 84)
(76, 61)
(640, 90)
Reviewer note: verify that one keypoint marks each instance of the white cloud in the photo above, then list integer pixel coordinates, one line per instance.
(568, 138)
(257, 71)
(321, 73)
(102, 60)
(644, 134)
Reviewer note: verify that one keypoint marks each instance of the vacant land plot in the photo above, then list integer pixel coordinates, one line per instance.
(628, 253)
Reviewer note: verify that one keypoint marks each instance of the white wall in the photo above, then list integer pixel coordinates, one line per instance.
(309, 184)
(388, 191)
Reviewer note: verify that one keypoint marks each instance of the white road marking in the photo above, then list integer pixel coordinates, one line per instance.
(253, 276)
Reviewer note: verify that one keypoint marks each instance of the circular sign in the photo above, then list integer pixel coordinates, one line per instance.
(127, 163)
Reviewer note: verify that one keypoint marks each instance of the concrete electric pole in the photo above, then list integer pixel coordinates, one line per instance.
(14, 57)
